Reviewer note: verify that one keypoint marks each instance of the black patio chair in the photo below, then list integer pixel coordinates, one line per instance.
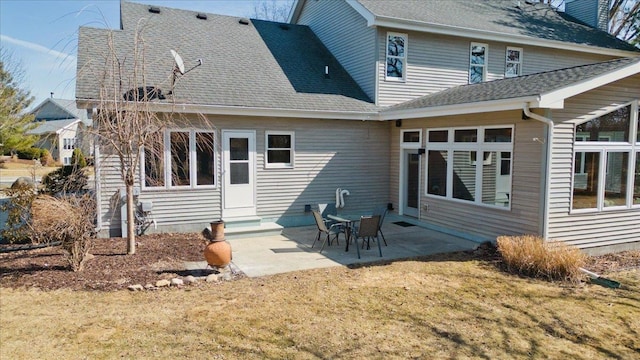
(367, 229)
(332, 230)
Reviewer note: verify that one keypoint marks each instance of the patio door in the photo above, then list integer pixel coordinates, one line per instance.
(239, 187)
(410, 182)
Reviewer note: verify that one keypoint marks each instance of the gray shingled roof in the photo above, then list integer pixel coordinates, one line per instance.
(51, 126)
(514, 88)
(500, 16)
(263, 64)
(67, 109)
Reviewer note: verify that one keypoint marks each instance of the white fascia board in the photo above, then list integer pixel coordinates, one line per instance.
(364, 12)
(550, 98)
(494, 36)
(296, 9)
(459, 109)
(251, 111)
(67, 127)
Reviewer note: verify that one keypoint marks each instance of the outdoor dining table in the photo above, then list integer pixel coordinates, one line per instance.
(348, 224)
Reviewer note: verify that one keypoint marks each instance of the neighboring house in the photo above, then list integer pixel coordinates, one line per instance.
(61, 128)
(478, 119)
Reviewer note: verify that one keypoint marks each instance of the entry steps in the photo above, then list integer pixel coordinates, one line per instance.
(249, 226)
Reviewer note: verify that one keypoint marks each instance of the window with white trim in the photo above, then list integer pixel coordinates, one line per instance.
(180, 158)
(478, 58)
(396, 56)
(454, 173)
(279, 149)
(66, 160)
(606, 173)
(513, 66)
(69, 143)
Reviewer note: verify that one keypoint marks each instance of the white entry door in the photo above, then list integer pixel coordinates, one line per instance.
(239, 193)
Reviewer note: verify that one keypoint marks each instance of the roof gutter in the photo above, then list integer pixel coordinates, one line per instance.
(487, 35)
(547, 159)
(248, 111)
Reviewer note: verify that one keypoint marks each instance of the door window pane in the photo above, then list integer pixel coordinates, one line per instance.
(180, 174)
(239, 173)
(437, 170)
(205, 168)
(239, 149)
(411, 136)
(464, 176)
(585, 181)
(413, 176)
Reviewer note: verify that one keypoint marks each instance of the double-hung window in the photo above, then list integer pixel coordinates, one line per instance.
(279, 149)
(478, 63)
(513, 66)
(606, 172)
(180, 158)
(69, 143)
(453, 169)
(396, 56)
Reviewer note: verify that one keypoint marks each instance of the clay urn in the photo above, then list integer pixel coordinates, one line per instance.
(218, 251)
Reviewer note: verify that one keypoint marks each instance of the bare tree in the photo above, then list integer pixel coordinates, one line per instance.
(273, 10)
(127, 123)
(624, 18)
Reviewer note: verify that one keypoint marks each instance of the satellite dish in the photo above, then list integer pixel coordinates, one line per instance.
(178, 60)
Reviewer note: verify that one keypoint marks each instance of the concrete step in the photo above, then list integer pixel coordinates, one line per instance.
(242, 221)
(260, 230)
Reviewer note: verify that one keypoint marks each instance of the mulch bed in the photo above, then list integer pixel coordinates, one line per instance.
(162, 256)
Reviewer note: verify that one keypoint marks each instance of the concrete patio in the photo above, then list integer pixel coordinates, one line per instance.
(292, 251)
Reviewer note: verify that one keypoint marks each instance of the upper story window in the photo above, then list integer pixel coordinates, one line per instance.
(478, 63)
(396, 56)
(513, 66)
(69, 143)
(183, 158)
(279, 149)
(606, 173)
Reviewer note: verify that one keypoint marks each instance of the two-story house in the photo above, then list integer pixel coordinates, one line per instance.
(475, 118)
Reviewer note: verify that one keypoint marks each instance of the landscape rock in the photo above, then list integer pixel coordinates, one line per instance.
(163, 283)
(149, 287)
(212, 278)
(177, 282)
(23, 181)
(190, 279)
(136, 287)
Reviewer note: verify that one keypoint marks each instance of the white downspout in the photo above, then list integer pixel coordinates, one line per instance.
(549, 123)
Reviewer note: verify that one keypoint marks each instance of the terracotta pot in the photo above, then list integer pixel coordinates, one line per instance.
(218, 253)
(217, 230)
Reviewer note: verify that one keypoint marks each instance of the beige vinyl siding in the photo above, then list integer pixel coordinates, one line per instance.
(592, 229)
(438, 62)
(346, 35)
(484, 221)
(329, 154)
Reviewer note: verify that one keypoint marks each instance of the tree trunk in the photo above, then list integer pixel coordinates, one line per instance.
(131, 225)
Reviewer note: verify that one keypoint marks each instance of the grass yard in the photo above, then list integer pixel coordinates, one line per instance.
(437, 309)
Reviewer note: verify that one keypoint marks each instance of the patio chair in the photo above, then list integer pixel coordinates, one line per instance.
(328, 209)
(332, 230)
(382, 212)
(367, 229)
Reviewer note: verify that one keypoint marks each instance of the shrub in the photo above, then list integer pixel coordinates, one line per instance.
(18, 207)
(77, 158)
(29, 153)
(65, 180)
(46, 159)
(70, 220)
(532, 256)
